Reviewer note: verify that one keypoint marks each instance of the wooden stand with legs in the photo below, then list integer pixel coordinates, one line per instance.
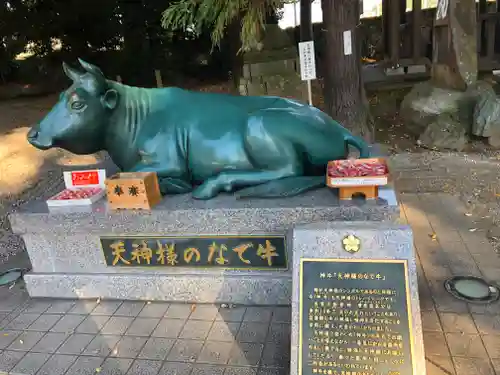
(348, 192)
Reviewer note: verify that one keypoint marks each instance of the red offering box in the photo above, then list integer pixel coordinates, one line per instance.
(357, 172)
(82, 188)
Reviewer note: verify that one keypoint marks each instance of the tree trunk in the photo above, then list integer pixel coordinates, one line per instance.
(345, 97)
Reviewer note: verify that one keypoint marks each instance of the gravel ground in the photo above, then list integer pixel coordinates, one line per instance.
(474, 177)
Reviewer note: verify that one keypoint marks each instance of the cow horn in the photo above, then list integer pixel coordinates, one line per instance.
(72, 74)
(91, 68)
(97, 80)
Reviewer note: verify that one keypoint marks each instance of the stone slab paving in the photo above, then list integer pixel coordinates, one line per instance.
(459, 338)
(121, 337)
(59, 337)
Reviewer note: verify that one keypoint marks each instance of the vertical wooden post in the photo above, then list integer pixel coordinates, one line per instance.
(497, 28)
(402, 12)
(391, 15)
(490, 32)
(490, 38)
(306, 29)
(159, 82)
(385, 28)
(416, 28)
(394, 36)
(483, 9)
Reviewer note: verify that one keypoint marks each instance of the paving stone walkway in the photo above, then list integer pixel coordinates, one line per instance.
(459, 338)
(54, 337)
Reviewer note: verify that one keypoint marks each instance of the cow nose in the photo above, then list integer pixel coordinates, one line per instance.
(33, 133)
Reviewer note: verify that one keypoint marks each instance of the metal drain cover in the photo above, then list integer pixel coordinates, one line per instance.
(10, 276)
(472, 289)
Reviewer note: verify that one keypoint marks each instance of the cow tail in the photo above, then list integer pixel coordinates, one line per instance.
(360, 145)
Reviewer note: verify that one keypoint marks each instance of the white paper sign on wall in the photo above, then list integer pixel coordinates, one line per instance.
(442, 10)
(307, 61)
(347, 42)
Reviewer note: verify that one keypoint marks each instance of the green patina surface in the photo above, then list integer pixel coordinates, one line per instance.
(196, 142)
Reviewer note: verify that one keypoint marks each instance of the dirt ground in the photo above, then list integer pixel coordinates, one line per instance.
(27, 173)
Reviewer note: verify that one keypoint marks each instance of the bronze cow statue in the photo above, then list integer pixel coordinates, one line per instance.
(203, 143)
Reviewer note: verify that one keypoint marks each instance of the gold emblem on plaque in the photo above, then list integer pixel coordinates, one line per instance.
(351, 244)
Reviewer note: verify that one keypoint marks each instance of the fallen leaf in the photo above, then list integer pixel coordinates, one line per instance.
(98, 369)
(148, 303)
(115, 351)
(21, 341)
(468, 214)
(472, 229)
(433, 236)
(193, 307)
(98, 301)
(6, 334)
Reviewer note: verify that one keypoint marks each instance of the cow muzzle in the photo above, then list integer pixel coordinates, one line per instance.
(36, 139)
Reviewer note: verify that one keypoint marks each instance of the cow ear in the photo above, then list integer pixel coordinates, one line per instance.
(110, 99)
(72, 74)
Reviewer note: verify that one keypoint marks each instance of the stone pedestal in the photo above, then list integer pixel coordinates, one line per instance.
(68, 262)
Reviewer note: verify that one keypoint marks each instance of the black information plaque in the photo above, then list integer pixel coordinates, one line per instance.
(354, 318)
(236, 252)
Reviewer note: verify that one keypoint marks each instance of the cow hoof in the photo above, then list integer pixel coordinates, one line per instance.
(205, 191)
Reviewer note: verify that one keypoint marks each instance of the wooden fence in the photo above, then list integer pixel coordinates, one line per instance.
(489, 35)
(407, 40)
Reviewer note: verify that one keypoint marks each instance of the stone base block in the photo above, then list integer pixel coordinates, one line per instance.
(68, 260)
(264, 289)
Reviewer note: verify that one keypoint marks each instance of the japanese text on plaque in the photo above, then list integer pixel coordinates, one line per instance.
(355, 318)
(230, 252)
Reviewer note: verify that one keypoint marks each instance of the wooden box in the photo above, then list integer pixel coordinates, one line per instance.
(366, 186)
(133, 190)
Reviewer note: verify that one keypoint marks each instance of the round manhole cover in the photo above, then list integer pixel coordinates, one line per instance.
(472, 289)
(10, 276)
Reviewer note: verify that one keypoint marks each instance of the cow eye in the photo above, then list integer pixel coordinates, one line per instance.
(78, 106)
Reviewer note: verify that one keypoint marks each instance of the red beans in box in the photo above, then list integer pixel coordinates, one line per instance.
(357, 172)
